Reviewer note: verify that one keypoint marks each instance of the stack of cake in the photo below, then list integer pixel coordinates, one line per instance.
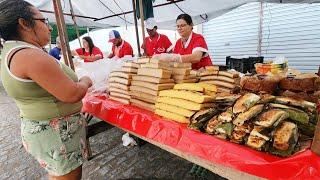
(181, 73)
(120, 80)
(226, 81)
(151, 78)
(180, 103)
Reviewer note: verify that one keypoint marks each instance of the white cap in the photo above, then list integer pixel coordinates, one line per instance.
(150, 23)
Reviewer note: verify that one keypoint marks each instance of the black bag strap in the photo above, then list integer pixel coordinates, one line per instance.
(15, 52)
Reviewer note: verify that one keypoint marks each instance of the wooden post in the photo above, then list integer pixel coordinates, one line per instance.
(61, 25)
(136, 26)
(319, 71)
(75, 23)
(315, 147)
(142, 26)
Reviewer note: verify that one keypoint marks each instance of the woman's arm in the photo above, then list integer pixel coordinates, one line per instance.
(46, 72)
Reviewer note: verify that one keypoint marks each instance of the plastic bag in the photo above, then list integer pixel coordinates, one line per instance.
(98, 71)
(127, 140)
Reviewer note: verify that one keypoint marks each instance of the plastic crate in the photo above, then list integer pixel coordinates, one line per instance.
(243, 65)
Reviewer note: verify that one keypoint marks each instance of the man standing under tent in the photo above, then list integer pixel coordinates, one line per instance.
(156, 43)
(56, 51)
(120, 48)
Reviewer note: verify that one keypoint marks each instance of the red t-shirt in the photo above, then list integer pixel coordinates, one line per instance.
(123, 50)
(95, 51)
(157, 45)
(196, 43)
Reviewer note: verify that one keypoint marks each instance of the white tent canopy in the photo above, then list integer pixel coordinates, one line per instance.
(96, 13)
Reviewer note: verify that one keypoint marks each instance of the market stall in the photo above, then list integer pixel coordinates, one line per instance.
(139, 85)
(193, 120)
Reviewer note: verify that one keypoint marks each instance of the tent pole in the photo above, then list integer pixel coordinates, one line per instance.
(63, 36)
(136, 26)
(75, 23)
(142, 26)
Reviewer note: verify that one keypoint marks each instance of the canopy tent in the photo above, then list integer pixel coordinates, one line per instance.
(111, 13)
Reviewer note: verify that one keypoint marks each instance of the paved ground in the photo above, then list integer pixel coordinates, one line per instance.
(111, 159)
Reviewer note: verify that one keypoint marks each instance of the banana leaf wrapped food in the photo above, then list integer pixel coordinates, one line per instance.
(226, 116)
(224, 129)
(240, 133)
(266, 98)
(285, 139)
(212, 124)
(271, 118)
(219, 128)
(225, 100)
(306, 121)
(258, 138)
(306, 105)
(252, 112)
(245, 102)
(200, 118)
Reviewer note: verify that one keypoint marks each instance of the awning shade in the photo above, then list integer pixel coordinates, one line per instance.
(104, 13)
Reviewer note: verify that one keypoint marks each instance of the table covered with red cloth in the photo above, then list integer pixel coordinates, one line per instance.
(302, 165)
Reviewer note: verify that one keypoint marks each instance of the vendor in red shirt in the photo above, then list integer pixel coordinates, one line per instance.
(120, 48)
(190, 48)
(89, 52)
(156, 43)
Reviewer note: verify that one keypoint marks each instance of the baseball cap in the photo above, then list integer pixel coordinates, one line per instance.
(150, 23)
(113, 35)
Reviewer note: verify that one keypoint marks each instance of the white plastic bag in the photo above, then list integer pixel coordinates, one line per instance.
(127, 140)
(98, 71)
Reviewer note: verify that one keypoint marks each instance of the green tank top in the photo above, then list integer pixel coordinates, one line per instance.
(34, 102)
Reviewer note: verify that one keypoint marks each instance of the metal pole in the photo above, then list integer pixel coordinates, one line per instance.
(75, 23)
(61, 25)
(142, 26)
(136, 26)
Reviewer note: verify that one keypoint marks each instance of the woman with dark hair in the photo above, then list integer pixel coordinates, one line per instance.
(190, 48)
(89, 52)
(47, 92)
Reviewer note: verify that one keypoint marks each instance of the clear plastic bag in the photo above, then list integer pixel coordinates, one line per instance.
(98, 71)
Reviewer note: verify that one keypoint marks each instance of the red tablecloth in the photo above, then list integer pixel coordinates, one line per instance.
(303, 165)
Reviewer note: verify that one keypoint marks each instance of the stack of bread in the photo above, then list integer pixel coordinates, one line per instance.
(302, 86)
(120, 80)
(151, 78)
(226, 81)
(184, 100)
(181, 73)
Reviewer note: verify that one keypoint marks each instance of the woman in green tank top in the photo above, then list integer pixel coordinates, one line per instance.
(47, 93)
